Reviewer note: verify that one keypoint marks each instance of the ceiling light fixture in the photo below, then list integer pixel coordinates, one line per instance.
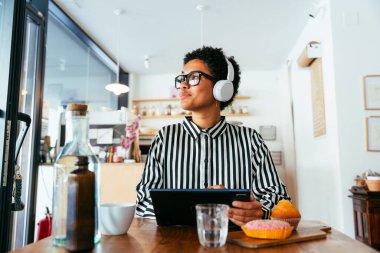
(201, 8)
(147, 61)
(117, 87)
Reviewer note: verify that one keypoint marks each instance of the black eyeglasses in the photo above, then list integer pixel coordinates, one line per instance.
(192, 79)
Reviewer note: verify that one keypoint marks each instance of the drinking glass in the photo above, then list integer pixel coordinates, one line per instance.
(212, 224)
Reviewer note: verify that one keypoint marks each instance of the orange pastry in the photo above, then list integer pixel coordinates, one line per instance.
(286, 211)
(267, 229)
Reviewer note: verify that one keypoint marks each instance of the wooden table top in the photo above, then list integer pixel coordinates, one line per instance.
(145, 236)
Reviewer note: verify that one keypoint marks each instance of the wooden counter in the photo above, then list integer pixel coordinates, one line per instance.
(118, 181)
(117, 184)
(145, 236)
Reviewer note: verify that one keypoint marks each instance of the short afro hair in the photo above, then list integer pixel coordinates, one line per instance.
(216, 62)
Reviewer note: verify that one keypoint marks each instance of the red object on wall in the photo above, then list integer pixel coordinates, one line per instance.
(44, 227)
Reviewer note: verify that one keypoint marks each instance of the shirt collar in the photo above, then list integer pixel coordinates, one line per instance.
(215, 131)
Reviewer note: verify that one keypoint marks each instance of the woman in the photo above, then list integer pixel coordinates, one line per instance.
(207, 152)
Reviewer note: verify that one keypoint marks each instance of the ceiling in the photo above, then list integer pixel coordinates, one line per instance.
(259, 33)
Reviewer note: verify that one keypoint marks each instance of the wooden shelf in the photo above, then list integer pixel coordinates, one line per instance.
(235, 114)
(137, 100)
(163, 116)
(143, 100)
(183, 115)
(155, 100)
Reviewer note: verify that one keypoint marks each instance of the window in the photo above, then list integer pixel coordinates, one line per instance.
(76, 71)
(73, 71)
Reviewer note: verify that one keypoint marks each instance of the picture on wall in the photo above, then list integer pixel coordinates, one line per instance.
(371, 85)
(373, 133)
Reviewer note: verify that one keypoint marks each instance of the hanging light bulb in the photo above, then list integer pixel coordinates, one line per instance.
(201, 8)
(147, 61)
(117, 88)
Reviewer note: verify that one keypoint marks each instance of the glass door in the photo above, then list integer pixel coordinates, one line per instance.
(29, 101)
(22, 51)
(11, 39)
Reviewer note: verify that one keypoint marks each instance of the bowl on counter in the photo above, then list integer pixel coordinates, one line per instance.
(116, 218)
(373, 183)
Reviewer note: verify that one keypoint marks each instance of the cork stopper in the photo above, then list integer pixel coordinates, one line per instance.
(77, 107)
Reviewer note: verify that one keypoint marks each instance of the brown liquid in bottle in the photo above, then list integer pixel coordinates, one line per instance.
(80, 225)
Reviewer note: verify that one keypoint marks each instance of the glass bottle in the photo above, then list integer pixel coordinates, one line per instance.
(80, 224)
(77, 144)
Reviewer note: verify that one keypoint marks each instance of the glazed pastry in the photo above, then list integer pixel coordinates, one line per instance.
(267, 229)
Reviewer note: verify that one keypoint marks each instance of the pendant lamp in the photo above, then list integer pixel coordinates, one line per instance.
(117, 87)
(201, 8)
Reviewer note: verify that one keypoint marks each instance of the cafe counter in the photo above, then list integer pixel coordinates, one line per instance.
(118, 181)
(117, 184)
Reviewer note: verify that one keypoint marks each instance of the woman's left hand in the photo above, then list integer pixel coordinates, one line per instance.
(245, 211)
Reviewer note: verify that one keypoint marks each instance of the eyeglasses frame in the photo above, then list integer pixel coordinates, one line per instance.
(187, 80)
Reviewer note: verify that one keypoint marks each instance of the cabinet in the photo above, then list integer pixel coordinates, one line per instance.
(169, 108)
(366, 208)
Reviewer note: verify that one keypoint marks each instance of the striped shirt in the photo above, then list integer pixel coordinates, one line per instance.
(183, 156)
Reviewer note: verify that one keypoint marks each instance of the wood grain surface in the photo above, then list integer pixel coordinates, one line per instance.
(145, 236)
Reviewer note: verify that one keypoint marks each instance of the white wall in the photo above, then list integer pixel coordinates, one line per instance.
(327, 165)
(262, 86)
(317, 171)
(264, 105)
(356, 54)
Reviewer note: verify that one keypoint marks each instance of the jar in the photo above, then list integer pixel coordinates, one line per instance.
(77, 144)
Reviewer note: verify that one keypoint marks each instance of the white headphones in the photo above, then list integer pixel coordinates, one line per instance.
(224, 89)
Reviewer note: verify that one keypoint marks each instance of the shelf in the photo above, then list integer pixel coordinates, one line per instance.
(235, 114)
(183, 115)
(154, 100)
(162, 116)
(136, 100)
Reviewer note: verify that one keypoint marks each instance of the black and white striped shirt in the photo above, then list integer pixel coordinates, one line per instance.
(183, 156)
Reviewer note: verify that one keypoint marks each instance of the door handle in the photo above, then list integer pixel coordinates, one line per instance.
(18, 205)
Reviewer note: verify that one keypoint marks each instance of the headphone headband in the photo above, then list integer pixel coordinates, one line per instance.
(230, 71)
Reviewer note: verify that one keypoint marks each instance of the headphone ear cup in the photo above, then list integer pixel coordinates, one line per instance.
(223, 90)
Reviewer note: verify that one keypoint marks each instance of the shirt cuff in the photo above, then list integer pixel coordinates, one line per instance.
(266, 214)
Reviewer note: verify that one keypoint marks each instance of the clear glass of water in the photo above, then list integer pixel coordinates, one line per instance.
(212, 224)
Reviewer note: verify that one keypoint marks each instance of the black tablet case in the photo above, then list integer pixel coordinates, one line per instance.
(177, 206)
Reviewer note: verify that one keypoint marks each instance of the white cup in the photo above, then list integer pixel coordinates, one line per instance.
(212, 224)
(116, 218)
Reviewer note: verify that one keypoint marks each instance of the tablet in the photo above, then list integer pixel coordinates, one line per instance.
(177, 206)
